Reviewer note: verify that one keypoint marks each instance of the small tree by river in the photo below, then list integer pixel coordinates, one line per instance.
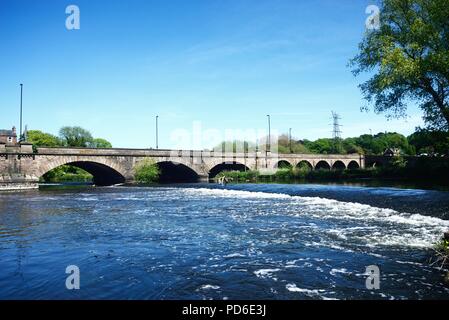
(146, 171)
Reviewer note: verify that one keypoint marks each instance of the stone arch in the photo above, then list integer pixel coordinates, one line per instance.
(304, 164)
(338, 165)
(322, 165)
(105, 172)
(175, 172)
(227, 166)
(353, 165)
(283, 164)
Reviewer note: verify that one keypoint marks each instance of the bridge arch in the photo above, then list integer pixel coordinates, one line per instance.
(338, 165)
(104, 172)
(322, 165)
(304, 164)
(353, 165)
(227, 166)
(172, 171)
(283, 164)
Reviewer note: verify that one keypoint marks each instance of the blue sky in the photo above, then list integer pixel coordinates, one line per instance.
(224, 64)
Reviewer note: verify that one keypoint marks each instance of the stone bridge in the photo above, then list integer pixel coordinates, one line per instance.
(25, 166)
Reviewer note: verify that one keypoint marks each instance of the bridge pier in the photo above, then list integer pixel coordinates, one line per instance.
(203, 178)
(14, 162)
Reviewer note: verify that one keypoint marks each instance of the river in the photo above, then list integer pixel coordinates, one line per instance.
(204, 241)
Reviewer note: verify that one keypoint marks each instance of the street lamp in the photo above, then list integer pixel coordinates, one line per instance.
(21, 94)
(157, 132)
(290, 139)
(269, 134)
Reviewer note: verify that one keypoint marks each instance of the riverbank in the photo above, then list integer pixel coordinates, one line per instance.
(421, 176)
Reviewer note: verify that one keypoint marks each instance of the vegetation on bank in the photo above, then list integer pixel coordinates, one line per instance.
(441, 256)
(66, 173)
(146, 171)
(424, 170)
(294, 174)
(442, 250)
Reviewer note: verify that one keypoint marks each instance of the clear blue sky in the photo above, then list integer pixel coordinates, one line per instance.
(224, 63)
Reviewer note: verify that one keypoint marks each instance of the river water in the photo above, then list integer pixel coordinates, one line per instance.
(254, 241)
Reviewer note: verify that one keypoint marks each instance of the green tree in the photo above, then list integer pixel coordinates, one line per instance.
(146, 171)
(324, 145)
(350, 146)
(425, 141)
(75, 136)
(409, 56)
(100, 143)
(42, 139)
(297, 146)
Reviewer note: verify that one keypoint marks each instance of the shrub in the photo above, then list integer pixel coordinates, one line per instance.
(146, 171)
(284, 174)
(239, 176)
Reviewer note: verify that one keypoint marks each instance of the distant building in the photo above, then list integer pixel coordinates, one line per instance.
(392, 152)
(8, 136)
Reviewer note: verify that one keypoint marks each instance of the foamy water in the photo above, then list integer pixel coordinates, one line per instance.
(215, 243)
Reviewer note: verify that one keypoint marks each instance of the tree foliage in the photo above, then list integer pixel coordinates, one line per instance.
(146, 171)
(296, 146)
(75, 136)
(42, 139)
(366, 144)
(430, 142)
(79, 137)
(100, 143)
(409, 56)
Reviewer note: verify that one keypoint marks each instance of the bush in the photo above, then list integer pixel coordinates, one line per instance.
(146, 171)
(441, 256)
(239, 176)
(284, 174)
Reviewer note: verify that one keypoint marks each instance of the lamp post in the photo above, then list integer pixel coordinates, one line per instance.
(290, 139)
(21, 94)
(269, 134)
(157, 132)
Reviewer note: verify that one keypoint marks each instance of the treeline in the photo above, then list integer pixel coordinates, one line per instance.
(422, 141)
(68, 137)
